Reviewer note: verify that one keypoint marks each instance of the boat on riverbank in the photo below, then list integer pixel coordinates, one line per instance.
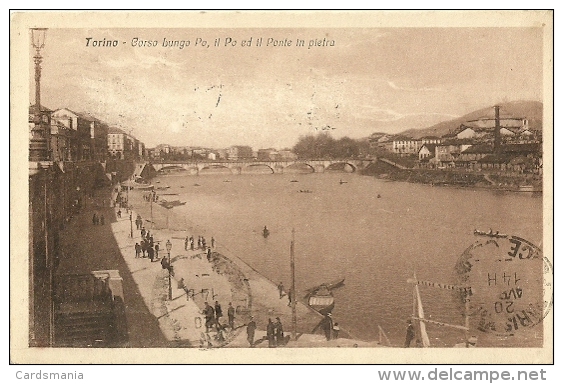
(171, 204)
(134, 185)
(490, 233)
(320, 298)
(526, 188)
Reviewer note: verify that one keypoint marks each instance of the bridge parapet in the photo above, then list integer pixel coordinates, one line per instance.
(237, 167)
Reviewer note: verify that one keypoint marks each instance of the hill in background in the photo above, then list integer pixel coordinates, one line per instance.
(532, 110)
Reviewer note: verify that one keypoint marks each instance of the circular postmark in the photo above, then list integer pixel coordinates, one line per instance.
(509, 283)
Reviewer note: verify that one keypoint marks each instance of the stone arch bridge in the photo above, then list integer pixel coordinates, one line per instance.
(240, 167)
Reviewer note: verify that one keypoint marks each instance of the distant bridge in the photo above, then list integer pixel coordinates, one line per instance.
(247, 166)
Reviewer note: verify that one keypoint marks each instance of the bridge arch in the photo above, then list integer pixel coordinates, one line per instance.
(300, 166)
(249, 167)
(341, 166)
(215, 168)
(171, 168)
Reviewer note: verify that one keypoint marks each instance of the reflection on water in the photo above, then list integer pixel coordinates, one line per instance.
(373, 233)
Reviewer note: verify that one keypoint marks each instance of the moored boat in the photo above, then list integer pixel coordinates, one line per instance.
(330, 285)
(320, 298)
(490, 233)
(171, 204)
(526, 188)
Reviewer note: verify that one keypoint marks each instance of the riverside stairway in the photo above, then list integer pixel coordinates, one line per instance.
(89, 310)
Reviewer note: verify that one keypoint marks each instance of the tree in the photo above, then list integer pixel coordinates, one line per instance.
(324, 146)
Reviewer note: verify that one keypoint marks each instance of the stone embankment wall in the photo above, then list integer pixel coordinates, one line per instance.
(452, 177)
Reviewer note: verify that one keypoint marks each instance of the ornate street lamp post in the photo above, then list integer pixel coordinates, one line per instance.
(169, 248)
(39, 140)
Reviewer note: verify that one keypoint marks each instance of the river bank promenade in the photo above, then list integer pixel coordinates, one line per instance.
(154, 320)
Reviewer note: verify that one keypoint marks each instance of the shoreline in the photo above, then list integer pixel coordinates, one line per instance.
(264, 301)
(457, 179)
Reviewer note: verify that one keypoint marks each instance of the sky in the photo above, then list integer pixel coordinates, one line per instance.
(354, 82)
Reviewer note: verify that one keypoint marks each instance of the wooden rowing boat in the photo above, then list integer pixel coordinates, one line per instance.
(320, 298)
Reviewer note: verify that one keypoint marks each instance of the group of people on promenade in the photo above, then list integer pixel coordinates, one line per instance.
(151, 196)
(98, 219)
(282, 292)
(139, 222)
(274, 333)
(148, 247)
(213, 317)
(120, 200)
(190, 244)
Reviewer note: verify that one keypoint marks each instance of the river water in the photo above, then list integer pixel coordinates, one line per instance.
(344, 230)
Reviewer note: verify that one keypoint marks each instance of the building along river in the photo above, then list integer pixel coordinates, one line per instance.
(344, 230)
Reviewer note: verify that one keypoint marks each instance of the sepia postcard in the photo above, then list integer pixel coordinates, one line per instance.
(362, 187)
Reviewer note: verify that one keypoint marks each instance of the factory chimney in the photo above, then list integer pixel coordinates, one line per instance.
(496, 148)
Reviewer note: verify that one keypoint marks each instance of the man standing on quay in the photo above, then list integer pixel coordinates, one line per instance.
(271, 334)
(281, 289)
(231, 316)
(250, 330)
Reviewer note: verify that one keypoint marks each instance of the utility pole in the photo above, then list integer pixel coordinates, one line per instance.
(152, 198)
(131, 222)
(293, 295)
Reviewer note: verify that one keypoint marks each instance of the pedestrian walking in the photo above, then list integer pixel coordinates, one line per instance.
(250, 331)
(164, 263)
(150, 251)
(212, 242)
(192, 243)
(182, 285)
(218, 311)
(138, 222)
(410, 334)
(281, 289)
(231, 316)
(209, 254)
(102, 219)
(278, 327)
(198, 242)
(143, 247)
(186, 242)
(143, 232)
(209, 313)
(137, 250)
(95, 219)
(271, 334)
(289, 297)
(156, 249)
